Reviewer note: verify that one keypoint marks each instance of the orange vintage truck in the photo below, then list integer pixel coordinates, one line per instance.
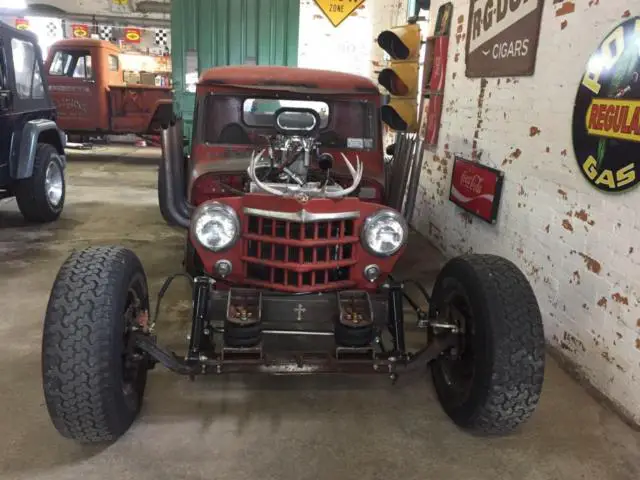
(86, 83)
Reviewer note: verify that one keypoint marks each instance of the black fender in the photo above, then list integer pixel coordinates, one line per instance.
(24, 144)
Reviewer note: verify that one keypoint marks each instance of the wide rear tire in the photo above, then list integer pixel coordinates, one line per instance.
(491, 382)
(93, 384)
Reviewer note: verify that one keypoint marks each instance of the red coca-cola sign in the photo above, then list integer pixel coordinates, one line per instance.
(476, 188)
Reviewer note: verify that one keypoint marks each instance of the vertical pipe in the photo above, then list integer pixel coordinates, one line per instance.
(396, 317)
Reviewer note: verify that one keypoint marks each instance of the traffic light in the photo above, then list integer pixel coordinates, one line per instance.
(401, 78)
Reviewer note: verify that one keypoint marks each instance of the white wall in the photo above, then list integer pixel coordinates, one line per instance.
(351, 46)
(579, 247)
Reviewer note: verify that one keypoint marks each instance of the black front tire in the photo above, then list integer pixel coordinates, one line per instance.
(34, 202)
(93, 389)
(493, 383)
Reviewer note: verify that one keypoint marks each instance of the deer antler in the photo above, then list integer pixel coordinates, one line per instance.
(356, 174)
(253, 176)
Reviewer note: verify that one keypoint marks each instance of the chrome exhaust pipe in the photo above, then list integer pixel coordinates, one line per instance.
(171, 178)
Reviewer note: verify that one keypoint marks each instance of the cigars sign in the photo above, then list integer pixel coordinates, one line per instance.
(476, 188)
(606, 114)
(502, 37)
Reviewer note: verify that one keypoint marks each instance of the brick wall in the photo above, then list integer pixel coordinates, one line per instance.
(351, 46)
(579, 247)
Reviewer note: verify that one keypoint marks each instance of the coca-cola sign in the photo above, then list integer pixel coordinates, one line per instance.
(476, 188)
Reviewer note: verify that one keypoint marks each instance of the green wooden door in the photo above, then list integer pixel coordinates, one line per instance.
(207, 33)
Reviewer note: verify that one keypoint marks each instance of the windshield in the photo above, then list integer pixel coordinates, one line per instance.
(348, 124)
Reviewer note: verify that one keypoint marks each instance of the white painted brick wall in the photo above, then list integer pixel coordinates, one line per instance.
(587, 280)
(351, 46)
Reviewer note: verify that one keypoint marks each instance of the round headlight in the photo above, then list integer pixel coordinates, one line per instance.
(216, 226)
(384, 233)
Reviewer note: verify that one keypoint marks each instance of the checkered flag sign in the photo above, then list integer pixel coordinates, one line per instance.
(162, 37)
(53, 30)
(105, 32)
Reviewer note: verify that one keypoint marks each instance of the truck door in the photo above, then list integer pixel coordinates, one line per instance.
(73, 87)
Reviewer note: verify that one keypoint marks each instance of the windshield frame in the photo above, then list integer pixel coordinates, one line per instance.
(201, 113)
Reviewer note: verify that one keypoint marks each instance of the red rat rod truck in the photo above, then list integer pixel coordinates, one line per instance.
(289, 241)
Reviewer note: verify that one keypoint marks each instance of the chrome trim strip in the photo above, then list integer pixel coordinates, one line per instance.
(302, 215)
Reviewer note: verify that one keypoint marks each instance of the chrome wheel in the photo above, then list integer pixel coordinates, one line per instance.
(53, 183)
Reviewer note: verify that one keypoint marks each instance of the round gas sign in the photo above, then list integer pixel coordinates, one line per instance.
(606, 115)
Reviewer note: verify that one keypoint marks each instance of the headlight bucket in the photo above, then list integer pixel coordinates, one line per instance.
(384, 233)
(216, 226)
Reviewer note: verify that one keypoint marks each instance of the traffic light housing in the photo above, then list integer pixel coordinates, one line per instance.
(401, 77)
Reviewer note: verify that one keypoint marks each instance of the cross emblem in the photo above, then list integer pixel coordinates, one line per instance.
(299, 310)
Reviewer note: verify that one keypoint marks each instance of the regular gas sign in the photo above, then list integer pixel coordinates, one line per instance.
(502, 37)
(606, 115)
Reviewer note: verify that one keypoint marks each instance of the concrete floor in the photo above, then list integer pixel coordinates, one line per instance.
(249, 426)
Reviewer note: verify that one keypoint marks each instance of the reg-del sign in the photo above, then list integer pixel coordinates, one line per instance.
(502, 37)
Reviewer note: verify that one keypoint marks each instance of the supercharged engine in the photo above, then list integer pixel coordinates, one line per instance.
(292, 163)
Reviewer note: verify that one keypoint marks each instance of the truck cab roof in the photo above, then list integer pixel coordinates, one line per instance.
(267, 77)
(86, 43)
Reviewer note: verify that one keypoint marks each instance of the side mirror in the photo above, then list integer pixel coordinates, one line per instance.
(391, 149)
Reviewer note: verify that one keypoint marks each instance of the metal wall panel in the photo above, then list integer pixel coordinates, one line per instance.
(210, 33)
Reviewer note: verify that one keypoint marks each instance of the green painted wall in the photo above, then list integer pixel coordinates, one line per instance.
(207, 33)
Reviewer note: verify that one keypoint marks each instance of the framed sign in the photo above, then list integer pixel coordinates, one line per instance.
(502, 37)
(476, 188)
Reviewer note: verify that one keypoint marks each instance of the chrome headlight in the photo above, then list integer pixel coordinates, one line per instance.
(216, 226)
(384, 233)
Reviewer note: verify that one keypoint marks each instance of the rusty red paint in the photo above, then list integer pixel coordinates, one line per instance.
(620, 298)
(602, 302)
(584, 216)
(591, 263)
(533, 131)
(252, 75)
(566, 9)
(567, 225)
(512, 156)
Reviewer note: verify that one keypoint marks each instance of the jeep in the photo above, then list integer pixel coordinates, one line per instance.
(31, 144)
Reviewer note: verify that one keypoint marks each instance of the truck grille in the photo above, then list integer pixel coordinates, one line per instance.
(299, 256)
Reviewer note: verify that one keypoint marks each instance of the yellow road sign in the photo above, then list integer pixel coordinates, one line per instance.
(338, 10)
